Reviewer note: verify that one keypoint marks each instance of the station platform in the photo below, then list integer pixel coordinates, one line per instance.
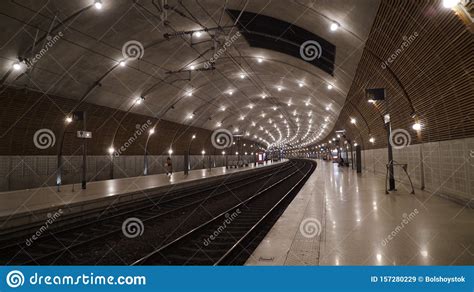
(25, 207)
(340, 217)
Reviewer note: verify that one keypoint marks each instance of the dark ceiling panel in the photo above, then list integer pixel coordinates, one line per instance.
(273, 34)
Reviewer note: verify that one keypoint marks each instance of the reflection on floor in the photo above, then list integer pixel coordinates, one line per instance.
(342, 218)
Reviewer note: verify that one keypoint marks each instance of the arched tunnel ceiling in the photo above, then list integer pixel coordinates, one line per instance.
(89, 44)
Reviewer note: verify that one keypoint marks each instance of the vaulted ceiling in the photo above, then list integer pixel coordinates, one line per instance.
(196, 64)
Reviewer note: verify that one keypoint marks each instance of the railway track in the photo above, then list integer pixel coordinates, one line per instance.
(53, 244)
(230, 237)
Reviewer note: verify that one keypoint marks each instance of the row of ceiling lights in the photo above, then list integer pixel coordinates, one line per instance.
(333, 27)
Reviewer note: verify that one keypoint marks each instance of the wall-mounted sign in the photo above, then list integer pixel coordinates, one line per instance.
(84, 134)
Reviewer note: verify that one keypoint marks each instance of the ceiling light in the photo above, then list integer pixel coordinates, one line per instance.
(279, 88)
(334, 26)
(327, 108)
(203, 152)
(219, 124)
(242, 76)
(189, 93)
(416, 126)
(329, 86)
(152, 131)
(16, 66)
(170, 151)
(68, 120)
(300, 84)
(371, 101)
(98, 4)
(198, 34)
(372, 140)
(263, 96)
(222, 108)
(193, 137)
(122, 63)
(260, 60)
(139, 100)
(450, 3)
(192, 67)
(111, 150)
(353, 121)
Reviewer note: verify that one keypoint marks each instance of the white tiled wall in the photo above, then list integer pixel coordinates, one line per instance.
(448, 166)
(22, 172)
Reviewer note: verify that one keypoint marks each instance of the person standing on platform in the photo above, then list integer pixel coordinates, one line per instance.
(169, 166)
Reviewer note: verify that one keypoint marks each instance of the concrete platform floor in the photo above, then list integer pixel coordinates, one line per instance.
(341, 218)
(26, 206)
